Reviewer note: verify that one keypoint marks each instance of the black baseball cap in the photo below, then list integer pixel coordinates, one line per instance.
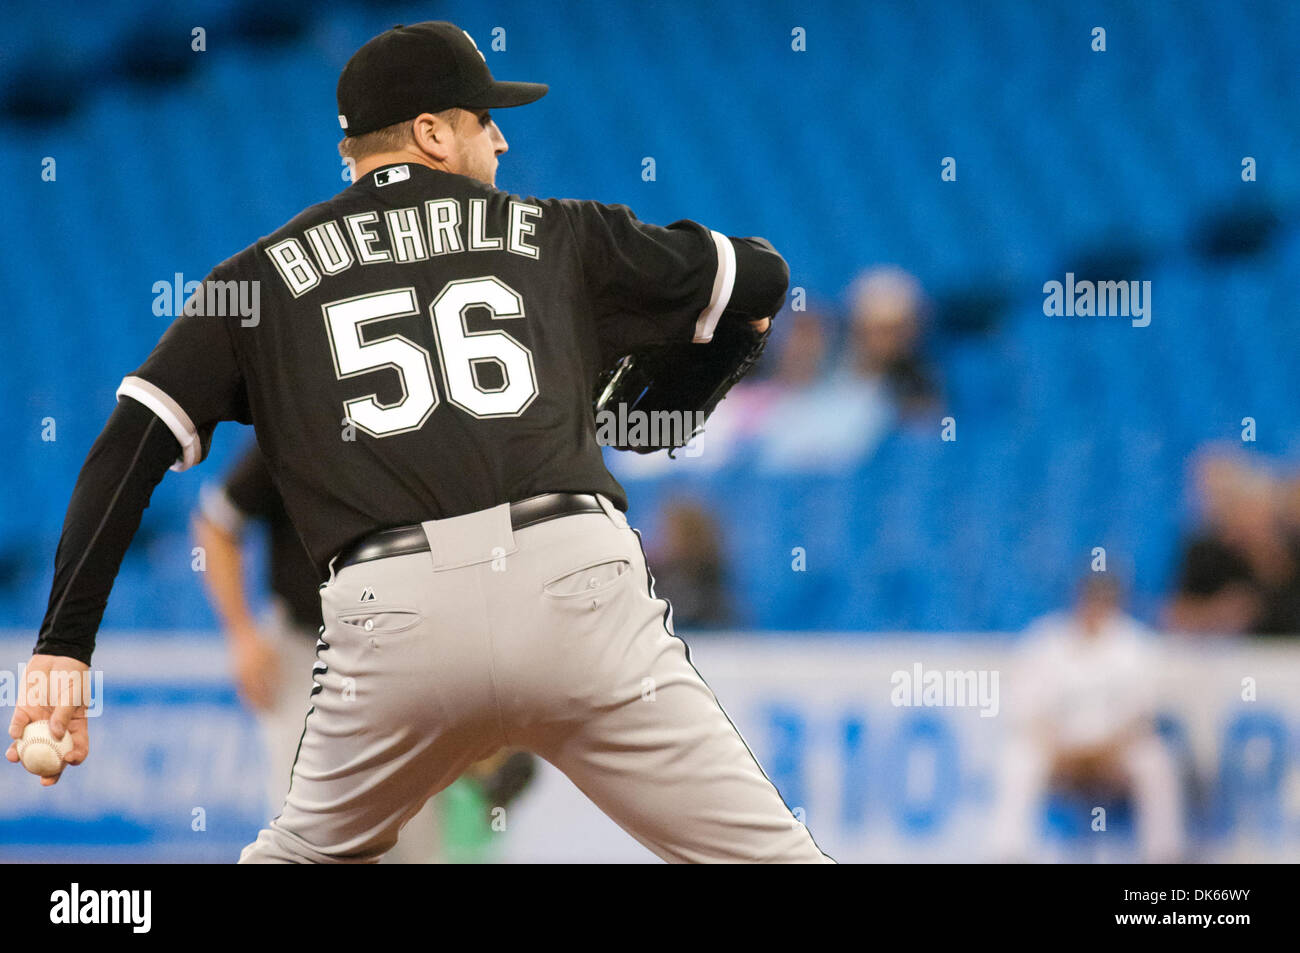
(423, 68)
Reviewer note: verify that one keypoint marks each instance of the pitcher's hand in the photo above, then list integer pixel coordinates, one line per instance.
(60, 681)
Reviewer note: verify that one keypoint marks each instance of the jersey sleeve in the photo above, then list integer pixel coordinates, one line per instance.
(192, 380)
(680, 275)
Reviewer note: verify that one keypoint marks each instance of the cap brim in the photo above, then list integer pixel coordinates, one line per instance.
(502, 95)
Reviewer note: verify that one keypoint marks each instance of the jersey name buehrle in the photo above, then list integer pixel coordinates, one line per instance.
(441, 227)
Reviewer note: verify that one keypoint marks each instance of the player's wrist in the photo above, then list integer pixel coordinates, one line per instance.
(61, 649)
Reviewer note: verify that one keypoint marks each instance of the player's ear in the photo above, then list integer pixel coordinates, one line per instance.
(433, 136)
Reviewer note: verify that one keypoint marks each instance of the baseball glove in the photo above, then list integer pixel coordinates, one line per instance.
(660, 396)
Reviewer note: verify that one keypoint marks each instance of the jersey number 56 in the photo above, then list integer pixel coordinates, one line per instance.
(459, 351)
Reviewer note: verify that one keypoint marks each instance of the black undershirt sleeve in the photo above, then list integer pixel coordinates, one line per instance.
(128, 459)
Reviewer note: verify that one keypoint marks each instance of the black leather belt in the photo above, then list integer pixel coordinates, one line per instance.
(404, 540)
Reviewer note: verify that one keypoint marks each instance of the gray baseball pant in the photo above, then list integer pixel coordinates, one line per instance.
(548, 638)
(281, 729)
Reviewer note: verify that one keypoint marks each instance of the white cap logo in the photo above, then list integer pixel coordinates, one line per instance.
(343, 121)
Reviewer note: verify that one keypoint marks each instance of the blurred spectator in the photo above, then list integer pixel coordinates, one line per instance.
(688, 567)
(1083, 719)
(1240, 572)
(829, 419)
(803, 352)
(1289, 504)
(887, 308)
(819, 418)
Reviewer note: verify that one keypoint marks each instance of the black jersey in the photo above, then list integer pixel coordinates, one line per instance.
(249, 493)
(424, 345)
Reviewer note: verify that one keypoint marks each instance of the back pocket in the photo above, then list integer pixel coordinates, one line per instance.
(588, 581)
(379, 621)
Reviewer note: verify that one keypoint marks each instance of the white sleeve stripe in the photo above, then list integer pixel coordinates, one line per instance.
(170, 413)
(723, 283)
(216, 506)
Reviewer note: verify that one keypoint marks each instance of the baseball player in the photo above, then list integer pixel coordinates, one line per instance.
(1085, 717)
(420, 377)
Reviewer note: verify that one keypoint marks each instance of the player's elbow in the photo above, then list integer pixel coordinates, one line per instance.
(209, 534)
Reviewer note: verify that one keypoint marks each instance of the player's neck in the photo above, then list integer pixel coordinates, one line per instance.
(381, 159)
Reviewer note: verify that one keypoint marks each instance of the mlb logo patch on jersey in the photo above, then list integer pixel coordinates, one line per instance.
(398, 173)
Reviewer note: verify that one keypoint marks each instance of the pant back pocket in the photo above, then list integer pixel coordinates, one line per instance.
(588, 581)
(379, 621)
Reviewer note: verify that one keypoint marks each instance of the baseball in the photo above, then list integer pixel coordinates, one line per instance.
(40, 753)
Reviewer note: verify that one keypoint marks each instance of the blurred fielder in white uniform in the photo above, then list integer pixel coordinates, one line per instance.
(1082, 711)
(272, 657)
